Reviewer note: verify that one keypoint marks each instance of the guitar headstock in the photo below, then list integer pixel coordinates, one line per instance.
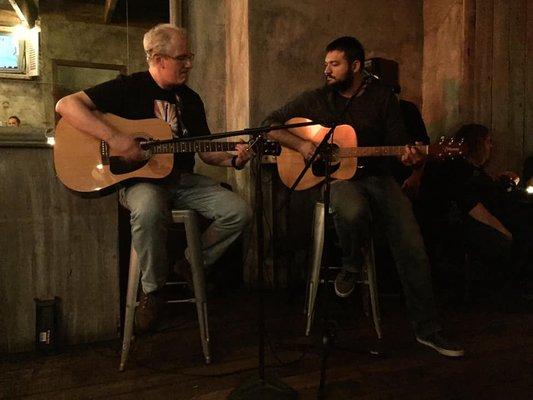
(270, 147)
(447, 147)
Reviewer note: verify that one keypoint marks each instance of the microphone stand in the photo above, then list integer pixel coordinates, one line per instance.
(323, 149)
(328, 334)
(261, 387)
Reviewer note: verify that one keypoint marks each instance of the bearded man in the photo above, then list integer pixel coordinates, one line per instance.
(372, 195)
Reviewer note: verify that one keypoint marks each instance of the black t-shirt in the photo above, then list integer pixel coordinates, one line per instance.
(138, 96)
(374, 114)
(458, 182)
(416, 131)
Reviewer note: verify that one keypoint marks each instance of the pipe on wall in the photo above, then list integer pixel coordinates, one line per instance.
(175, 11)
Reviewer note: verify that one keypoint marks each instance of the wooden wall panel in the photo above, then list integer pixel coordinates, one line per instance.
(528, 124)
(496, 77)
(483, 62)
(54, 243)
(513, 142)
(500, 88)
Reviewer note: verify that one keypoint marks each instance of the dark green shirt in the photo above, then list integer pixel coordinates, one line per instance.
(374, 114)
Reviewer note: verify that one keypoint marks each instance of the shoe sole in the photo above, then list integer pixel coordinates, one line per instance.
(343, 295)
(444, 352)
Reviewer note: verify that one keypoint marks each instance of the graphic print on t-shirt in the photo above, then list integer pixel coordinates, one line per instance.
(171, 114)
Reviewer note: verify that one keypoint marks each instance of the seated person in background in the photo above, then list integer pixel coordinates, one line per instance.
(408, 177)
(460, 190)
(13, 121)
(161, 92)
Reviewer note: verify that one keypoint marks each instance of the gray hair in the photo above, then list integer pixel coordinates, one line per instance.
(160, 39)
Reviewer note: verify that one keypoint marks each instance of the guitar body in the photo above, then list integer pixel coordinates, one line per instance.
(290, 163)
(82, 164)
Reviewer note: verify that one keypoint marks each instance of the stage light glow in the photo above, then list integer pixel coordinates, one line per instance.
(529, 190)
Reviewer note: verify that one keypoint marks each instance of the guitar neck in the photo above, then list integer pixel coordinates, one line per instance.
(377, 151)
(170, 146)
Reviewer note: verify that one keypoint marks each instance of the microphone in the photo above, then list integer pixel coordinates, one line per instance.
(369, 76)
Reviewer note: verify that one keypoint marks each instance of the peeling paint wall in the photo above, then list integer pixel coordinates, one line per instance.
(443, 65)
(478, 69)
(208, 76)
(287, 42)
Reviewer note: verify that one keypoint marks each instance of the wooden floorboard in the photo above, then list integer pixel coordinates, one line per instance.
(498, 338)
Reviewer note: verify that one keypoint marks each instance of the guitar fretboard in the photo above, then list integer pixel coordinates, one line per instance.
(190, 147)
(377, 151)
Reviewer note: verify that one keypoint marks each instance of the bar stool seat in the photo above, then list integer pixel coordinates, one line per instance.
(368, 277)
(190, 220)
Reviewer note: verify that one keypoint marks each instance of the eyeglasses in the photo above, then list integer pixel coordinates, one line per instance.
(183, 57)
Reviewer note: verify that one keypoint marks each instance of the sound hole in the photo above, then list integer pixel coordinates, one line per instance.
(319, 166)
(119, 166)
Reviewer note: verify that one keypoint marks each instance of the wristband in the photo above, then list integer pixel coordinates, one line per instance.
(234, 163)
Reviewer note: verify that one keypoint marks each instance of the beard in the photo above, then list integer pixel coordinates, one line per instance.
(343, 84)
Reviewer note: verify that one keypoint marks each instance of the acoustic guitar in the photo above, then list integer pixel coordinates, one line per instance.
(84, 163)
(344, 153)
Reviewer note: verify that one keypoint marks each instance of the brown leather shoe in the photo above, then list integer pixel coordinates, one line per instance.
(182, 268)
(147, 311)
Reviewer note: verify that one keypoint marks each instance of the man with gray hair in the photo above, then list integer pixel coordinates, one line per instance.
(161, 92)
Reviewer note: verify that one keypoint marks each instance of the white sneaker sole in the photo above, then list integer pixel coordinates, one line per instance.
(444, 352)
(343, 295)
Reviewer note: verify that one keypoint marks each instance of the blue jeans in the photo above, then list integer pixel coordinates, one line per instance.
(355, 204)
(150, 205)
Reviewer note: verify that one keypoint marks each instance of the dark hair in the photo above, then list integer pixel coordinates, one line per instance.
(15, 117)
(352, 48)
(473, 136)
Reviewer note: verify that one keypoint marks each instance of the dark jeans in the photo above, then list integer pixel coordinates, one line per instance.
(493, 250)
(356, 204)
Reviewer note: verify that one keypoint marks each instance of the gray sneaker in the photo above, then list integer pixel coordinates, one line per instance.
(437, 342)
(345, 283)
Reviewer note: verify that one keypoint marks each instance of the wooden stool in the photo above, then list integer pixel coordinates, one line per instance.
(368, 274)
(189, 219)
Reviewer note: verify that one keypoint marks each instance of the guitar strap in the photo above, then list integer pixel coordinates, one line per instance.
(182, 129)
(330, 102)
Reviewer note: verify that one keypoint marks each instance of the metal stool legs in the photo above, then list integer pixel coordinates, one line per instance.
(369, 273)
(189, 219)
(134, 276)
(370, 279)
(316, 262)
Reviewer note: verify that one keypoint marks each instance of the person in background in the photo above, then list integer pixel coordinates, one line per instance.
(459, 193)
(13, 121)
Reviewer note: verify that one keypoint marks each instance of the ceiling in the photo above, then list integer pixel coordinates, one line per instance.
(137, 12)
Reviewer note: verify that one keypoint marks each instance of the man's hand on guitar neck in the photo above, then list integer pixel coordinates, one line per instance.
(244, 154)
(125, 146)
(413, 157)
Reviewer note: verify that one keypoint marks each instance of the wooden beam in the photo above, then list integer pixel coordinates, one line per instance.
(26, 10)
(109, 9)
(175, 12)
